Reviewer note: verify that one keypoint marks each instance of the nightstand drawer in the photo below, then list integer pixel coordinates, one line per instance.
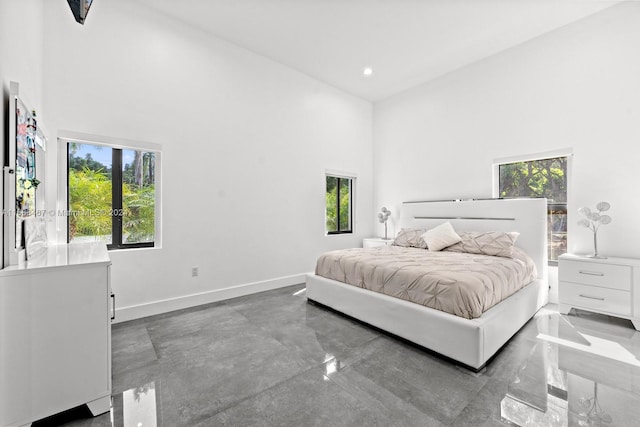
(596, 298)
(596, 274)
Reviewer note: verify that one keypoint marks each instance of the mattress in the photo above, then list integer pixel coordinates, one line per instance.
(462, 284)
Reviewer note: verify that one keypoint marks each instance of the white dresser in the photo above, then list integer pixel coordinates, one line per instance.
(55, 334)
(603, 285)
(372, 242)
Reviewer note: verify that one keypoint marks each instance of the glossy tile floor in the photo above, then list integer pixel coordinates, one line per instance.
(271, 359)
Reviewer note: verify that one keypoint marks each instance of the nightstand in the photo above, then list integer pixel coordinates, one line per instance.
(602, 285)
(372, 242)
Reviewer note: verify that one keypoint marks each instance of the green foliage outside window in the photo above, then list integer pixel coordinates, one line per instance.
(537, 178)
(138, 198)
(333, 205)
(89, 204)
(91, 208)
(541, 178)
(138, 205)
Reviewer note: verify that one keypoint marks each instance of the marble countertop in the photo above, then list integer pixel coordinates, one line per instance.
(64, 255)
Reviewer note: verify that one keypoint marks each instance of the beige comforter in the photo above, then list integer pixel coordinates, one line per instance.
(458, 283)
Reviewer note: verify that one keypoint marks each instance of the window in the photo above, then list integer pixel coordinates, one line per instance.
(545, 177)
(339, 198)
(111, 195)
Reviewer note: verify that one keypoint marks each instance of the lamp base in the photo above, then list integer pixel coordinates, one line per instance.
(597, 257)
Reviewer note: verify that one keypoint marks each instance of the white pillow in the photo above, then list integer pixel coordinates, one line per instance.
(440, 237)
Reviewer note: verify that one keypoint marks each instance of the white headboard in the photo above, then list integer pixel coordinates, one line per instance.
(526, 216)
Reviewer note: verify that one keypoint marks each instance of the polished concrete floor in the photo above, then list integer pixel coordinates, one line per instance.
(271, 359)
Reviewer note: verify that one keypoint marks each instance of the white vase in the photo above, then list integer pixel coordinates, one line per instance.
(595, 247)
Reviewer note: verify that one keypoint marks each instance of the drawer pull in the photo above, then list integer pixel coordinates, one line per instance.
(590, 297)
(591, 273)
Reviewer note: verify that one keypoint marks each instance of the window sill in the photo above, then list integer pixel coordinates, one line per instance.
(147, 248)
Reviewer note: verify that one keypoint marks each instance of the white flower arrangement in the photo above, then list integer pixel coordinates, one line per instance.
(383, 216)
(593, 220)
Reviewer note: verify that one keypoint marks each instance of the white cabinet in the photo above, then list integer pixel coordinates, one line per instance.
(372, 242)
(603, 285)
(55, 334)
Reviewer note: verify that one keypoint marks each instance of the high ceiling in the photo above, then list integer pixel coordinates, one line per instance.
(405, 42)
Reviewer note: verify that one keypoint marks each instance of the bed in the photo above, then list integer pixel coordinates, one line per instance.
(471, 340)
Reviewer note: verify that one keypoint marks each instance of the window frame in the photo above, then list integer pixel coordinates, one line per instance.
(66, 138)
(566, 153)
(339, 177)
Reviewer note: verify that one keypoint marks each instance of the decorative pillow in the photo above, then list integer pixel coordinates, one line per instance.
(495, 243)
(440, 237)
(410, 238)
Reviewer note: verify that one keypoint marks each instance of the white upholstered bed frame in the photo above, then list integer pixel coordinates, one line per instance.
(471, 342)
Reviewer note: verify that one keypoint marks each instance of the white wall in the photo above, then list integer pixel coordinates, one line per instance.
(21, 30)
(21, 49)
(576, 87)
(246, 142)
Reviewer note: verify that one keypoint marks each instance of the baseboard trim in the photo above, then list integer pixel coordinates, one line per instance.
(124, 314)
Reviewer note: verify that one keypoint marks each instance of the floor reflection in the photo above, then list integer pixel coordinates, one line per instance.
(331, 366)
(137, 407)
(579, 372)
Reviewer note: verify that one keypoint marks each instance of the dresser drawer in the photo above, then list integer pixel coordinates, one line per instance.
(596, 274)
(596, 298)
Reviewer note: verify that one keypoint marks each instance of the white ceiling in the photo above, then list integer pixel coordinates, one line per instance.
(406, 42)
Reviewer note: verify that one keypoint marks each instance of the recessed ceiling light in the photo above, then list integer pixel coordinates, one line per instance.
(367, 71)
